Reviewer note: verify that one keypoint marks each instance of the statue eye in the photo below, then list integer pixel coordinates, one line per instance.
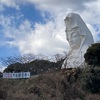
(75, 34)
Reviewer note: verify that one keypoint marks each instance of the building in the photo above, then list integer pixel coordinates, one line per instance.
(16, 75)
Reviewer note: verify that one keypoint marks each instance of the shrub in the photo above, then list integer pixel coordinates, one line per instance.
(3, 95)
(92, 56)
(91, 79)
(91, 74)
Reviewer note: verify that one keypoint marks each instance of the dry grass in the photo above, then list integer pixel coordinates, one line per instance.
(55, 86)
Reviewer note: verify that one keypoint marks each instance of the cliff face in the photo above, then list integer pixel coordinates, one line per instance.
(63, 85)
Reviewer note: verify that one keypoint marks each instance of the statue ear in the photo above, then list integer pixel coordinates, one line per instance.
(82, 37)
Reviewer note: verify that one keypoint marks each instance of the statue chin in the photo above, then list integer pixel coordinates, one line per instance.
(79, 38)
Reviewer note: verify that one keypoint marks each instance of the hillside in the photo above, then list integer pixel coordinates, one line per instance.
(63, 85)
(35, 67)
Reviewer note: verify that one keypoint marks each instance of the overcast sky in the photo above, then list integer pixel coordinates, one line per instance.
(37, 26)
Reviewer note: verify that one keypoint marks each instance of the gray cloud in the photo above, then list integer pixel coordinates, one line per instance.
(49, 5)
(60, 5)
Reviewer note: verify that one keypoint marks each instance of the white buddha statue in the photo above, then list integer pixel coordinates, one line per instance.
(79, 38)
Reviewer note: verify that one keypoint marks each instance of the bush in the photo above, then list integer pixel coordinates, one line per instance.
(91, 74)
(92, 56)
(91, 79)
(3, 95)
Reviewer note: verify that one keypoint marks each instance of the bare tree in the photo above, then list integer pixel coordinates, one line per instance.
(60, 57)
(18, 59)
(8, 60)
(27, 58)
(42, 57)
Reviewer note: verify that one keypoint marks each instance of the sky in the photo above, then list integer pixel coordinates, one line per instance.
(37, 26)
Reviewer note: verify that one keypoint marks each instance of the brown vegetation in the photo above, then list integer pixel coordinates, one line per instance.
(63, 85)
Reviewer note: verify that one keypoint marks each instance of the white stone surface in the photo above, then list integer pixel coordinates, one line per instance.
(79, 38)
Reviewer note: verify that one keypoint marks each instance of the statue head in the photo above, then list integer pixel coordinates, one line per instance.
(77, 33)
(79, 38)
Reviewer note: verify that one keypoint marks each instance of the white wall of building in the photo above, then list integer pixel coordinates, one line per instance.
(17, 75)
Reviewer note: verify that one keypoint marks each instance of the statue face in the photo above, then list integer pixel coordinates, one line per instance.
(79, 38)
(73, 38)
